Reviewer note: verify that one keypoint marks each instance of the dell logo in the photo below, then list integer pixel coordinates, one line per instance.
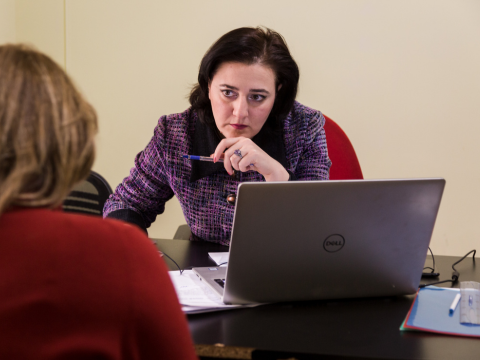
(334, 243)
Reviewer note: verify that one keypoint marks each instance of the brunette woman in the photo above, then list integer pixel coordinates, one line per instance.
(243, 112)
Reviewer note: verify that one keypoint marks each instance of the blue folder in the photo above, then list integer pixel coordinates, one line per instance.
(430, 312)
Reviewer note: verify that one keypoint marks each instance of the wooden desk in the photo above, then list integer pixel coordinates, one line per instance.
(340, 329)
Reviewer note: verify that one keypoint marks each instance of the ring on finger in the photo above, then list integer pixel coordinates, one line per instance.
(238, 153)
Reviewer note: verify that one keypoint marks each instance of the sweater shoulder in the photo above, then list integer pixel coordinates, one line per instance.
(302, 112)
(174, 128)
(301, 118)
(85, 230)
(177, 119)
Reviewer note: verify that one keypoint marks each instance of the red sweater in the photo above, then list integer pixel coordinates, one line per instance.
(80, 287)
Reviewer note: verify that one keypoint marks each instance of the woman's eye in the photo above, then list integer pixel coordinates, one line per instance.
(228, 93)
(257, 97)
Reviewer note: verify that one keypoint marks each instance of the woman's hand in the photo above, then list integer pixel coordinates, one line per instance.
(244, 155)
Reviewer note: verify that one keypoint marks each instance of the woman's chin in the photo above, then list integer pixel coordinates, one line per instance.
(233, 133)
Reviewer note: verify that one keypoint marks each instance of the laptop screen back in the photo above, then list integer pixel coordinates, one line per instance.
(330, 239)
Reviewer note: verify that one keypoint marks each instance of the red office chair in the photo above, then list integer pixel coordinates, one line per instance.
(345, 165)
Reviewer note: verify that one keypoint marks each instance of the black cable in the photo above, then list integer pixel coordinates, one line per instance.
(431, 274)
(435, 283)
(455, 274)
(473, 258)
(181, 271)
(433, 258)
(187, 268)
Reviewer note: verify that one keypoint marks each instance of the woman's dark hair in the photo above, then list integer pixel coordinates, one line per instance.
(249, 45)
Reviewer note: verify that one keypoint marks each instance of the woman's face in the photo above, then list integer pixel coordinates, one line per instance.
(242, 97)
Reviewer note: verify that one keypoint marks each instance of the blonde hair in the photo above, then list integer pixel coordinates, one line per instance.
(47, 130)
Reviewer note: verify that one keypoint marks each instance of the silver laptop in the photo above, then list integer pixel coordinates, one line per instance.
(307, 240)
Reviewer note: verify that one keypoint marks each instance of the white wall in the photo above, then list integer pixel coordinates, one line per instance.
(41, 23)
(7, 21)
(402, 78)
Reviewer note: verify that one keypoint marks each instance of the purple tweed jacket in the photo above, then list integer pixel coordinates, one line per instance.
(202, 188)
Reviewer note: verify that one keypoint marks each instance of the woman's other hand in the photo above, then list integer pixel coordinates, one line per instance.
(241, 153)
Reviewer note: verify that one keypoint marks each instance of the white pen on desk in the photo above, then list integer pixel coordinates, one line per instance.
(454, 304)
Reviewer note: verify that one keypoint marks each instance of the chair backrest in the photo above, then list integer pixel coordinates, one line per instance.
(88, 196)
(345, 165)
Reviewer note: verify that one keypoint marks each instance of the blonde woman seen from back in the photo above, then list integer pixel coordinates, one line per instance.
(72, 286)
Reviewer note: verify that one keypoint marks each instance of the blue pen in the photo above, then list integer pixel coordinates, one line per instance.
(200, 158)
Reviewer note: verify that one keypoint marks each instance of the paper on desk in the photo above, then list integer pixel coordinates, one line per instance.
(219, 257)
(196, 297)
(191, 292)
